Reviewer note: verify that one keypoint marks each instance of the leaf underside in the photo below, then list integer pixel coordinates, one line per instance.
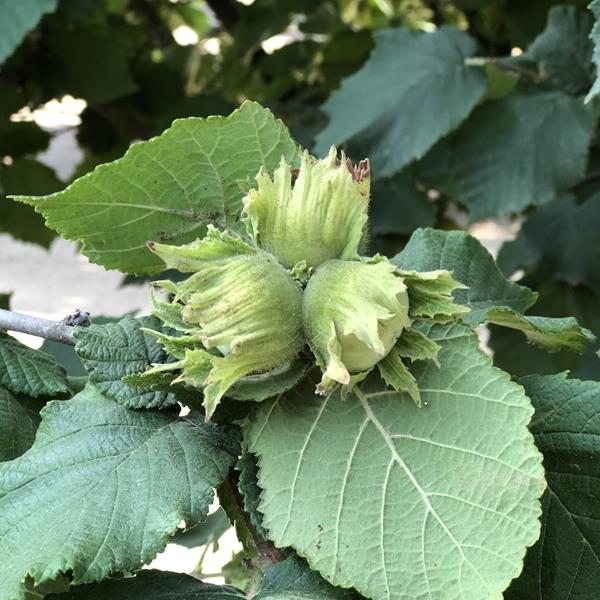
(167, 189)
(448, 503)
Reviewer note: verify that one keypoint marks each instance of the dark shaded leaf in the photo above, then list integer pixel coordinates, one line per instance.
(562, 235)
(24, 370)
(565, 562)
(563, 50)
(17, 426)
(414, 89)
(208, 532)
(151, 585)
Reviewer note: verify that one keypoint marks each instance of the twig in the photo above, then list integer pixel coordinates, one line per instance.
(503, 64)
(51, 330)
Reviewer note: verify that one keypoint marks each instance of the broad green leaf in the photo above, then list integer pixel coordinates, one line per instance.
(453, 489)
(547, 333)
(413, 90)
(595, 37)
(517, 151)
(103, 488)
(472, 265)
(565, 562)
(563, 236)
(151, 585)
(563, 50)
(167, 189)
(512, 354)
(24, 370)
(208, 532)
(17, 18)
(17, 426)
(292, 579)
(112, 351)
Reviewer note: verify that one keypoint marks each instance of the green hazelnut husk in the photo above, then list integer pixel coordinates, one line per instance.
(240, 311)
(353, 314)
(313, 214)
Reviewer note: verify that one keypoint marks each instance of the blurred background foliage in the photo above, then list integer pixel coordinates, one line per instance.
(507, 138)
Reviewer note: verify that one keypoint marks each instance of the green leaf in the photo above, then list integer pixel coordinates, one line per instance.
(563, 50)
(250, 490)
(471, 264)
(489, 295)
(292, 579)
(550, 334)
(235, 572)
(452, 489)
(66, 356)
(414, 345)
(517, 151)
(5, 301)
(107, 48)
(414, 89)
(167, 189)
(398, 208)
(208, 532)
(151, 585)
(430, 295)
(500, 82)
(563, 236)
(16, 19)
(26, 176)
(595, 37)
(112, 351)
(565, 563)
(24, 370)
(125, 478)
(17, 427)
(396, 375)
(512, 354)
